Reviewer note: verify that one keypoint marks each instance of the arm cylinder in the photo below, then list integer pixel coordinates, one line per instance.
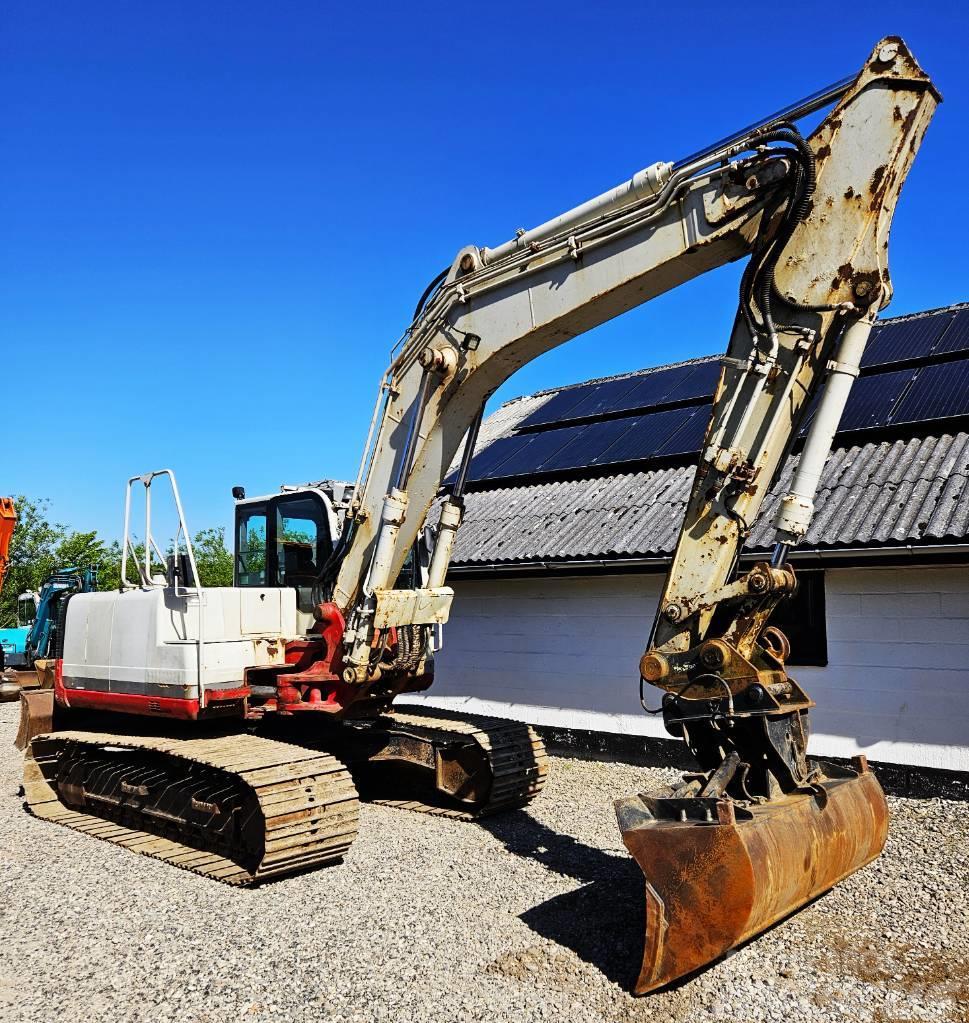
(641, 185)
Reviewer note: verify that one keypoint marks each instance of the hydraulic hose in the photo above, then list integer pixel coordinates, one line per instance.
(429, 290)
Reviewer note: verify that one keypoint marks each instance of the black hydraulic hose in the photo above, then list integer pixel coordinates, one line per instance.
(758, 277)
(798, 208)
(324, 577)
(754, 264)
(753, 268)
(429, 289)
(766, 270)
(784, 117)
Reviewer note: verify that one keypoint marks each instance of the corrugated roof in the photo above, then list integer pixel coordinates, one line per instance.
(894, 493)
(882, 494)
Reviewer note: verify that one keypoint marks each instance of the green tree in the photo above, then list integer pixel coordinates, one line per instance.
(213, 558)
(109, 572)
(38, 547)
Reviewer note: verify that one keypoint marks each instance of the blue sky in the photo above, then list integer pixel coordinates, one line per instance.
(217, 217)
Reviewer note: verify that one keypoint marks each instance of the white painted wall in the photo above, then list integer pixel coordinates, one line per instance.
(564, 651)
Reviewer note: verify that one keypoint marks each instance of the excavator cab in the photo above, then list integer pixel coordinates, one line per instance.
(289, 539)
(285, 539)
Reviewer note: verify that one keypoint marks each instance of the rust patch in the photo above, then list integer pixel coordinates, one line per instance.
(863, 283)
(909, 120)
(824, 152)
(876, 179)
(849, 193)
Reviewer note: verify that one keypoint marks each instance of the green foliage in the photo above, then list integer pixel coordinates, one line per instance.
(109, 572)
(38, 547)
(213, 558)
(252, 559)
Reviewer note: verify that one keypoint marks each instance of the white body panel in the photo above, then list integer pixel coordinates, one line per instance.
(563, 651)
(145, 642)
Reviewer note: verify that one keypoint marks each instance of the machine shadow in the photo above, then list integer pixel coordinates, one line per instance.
(603, 921)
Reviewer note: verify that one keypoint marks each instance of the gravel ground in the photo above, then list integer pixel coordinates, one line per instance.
(536, 915)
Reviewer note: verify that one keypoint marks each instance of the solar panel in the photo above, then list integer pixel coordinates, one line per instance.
(653, 388)
(938, 392)
(689, 438)
(589, 444)
(872, 399)
(956, 338)
(610, 397)
(906, 339)
(608, 442)
(700, 383)
(536, 450)
(570, 432)
(555, 409)
(486, 461)
(606, 398)
(647, 438)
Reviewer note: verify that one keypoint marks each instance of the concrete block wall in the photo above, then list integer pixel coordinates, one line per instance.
(563, 651)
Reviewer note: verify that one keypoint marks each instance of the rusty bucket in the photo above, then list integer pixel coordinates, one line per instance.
(718, 873)
(37, 711)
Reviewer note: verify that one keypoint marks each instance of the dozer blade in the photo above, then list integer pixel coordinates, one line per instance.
(36, 715)
(712, 883)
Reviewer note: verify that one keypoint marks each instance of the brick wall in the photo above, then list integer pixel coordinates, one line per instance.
(564, 651)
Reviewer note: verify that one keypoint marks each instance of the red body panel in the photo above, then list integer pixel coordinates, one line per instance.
(134, 703)
(128, 703)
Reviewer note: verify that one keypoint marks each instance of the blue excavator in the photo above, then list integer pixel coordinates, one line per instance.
(32, 646)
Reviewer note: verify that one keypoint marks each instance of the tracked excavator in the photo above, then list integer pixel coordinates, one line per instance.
(214, 727)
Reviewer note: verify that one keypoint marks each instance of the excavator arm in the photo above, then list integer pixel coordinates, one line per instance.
(760, 829)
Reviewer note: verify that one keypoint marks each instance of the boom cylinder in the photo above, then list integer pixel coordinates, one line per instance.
(392, 515)
(452, 511)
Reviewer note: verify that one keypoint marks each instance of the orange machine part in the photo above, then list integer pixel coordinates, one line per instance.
(8, 521)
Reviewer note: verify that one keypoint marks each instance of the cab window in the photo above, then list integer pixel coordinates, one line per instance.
(302, 543)
(251, 547)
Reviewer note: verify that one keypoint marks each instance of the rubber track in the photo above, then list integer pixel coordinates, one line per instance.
(308, 802)
(518, 758)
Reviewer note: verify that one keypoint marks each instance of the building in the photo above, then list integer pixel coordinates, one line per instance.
(575, 506)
